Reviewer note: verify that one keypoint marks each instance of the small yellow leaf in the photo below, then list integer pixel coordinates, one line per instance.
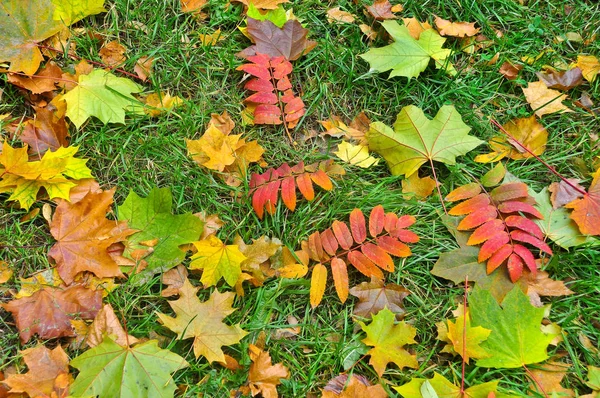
(5, 272)
(544, 100)
(357, 155)
(419, 187)
(589, 65)
(217, 260)
(317, 284)
(211, 39)
(336, 15)
(157, 103)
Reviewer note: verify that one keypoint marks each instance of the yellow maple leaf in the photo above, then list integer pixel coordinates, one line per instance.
(217, 260)
(357, 155)
(544, 100)
(55, 173)
(417, 186)
(204, 322)
(589, 65)
(160, 103)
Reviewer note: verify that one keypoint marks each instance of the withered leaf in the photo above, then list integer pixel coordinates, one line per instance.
(510, 71)
(48, 311)
(381, 10)
(289, 41)
(544, 100)
(564, 80)
(358, 386)
(45, 131)
(106, 323)
(375, 295)
(113, 53)
(263, 376)
(563, 193)
(43, 81)
(174, 279)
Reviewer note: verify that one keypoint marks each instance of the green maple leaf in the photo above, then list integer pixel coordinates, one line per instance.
(593, 379)
(110, 370)
(557, 223)
(71, 11)
(416, 139)
(445, 389)
(278, 16)
(217, 260)
(516, 337)
(388, 340)
(154, 218)
(407, 56)
(103, 95)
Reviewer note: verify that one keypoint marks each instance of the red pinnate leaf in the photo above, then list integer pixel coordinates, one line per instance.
(330, 243)
(390, 222)
(492, 245)
(515, 267)
(315, 247)
(464, 192)
(405, 236)
(498, 258)
(485, 231)
(405, 222)
(532, 240)
(358, 225)
(288, 192)
(477, 218)
(514, 206)
(267, 114)
(260, 71)
(321, 178)
(379, 256)
(339, 270)
(343, 235)
(509, 191)
(263, 97)
(258, 200)
(393, 246)
(470, 205)
(376, 221)
(271, 196)
(526, 256)
(525, 225)
(364, 265)
(305, 186)
(259, 85)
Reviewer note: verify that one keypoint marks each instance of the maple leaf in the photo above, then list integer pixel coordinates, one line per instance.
(103, 95)
(143, 67)
(204, 322)
(42, 82)
(193, 6)
(415, 186)
(407, 56)
(257, 254)
(586, 210)
(154, 219)
(548, 378)
(217, 260)
(84, 235)
(278, 16)
(357, 129)
(174, 279)
(55, 173)
(44, 132)
(112, 53)
(374, 296)
(358, 386)
(46, 369)
(527, 131)
(72, 11)
(357, 155)
(445, 389)
(510, 71)
(593, 378)
(589, 65)
(516, 339)
(288, 41)
(48, 311)
(456, 29)
(335, 15)
(461, 338)
(5, 272)
(48, 277)
(105, 324)
(263, 376)
(110, 370)
(564, 80)
(263, 4)
(416, 139)
(544, 100)
(388, 340)
(382, 10)
(563, 193)
(415, 27)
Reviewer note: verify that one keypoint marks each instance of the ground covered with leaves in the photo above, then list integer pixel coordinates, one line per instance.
(299, 198)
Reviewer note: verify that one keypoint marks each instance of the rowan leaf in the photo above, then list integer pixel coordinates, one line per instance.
(84, 235)
(407, 56)
(263, 376)
(204, 322)
(288, 41)
(516, 339)
(44, 368)
(544, 100)
(154, 219)
(103, 95)
(374, 296)
(55, 172)
(586, 210)
(388, 340)
(445, 389)
(416, 139)
(110, 370)
(462, 338)
(48, 311)
(217, 260)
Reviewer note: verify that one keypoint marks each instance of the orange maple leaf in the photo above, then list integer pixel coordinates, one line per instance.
(586, 211)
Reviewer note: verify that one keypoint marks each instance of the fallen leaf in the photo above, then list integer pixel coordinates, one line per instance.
(456, 29)
(358, 386)
(494, 176)
(289, 41)
(541, 285)
(6, 272)
(279, 16)
(212, 223)
(70, 12)
(211, 39)
(381, 10)
(222, 122)
(357, 155)
(42, 82)
(374, 296)
(48, 311)
(145, 367)
(143, 67)
(103, 95)
(257, 253)
(416, 139)
(586, 210)
(593, 378)
(113, 53)
(263, 4)
(510, 71)
(527, 131)
(32, 284)
(388, 339)
(547, 379)
(544, 100)
(415, 186)
(84, 235)
(443, 388)
(44, 368)
(562, 193)
(193, 6)
(516, 339)
(368, 31)
(335, 127)
(204, 322)
(335, 15)
(415, 27)
(42, 133)
(462, 338)
(565, 80)
(589, 65)
(407, 56)
(105, 324)
(263, 376)
(217, 260)
(174, 279)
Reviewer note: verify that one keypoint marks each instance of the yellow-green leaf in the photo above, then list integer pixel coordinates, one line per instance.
(217, 260)
(357, 155)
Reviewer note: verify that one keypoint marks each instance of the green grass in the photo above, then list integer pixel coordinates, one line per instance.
(146, 152)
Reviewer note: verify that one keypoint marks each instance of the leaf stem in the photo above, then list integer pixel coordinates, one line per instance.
(552, 169)
(437, 185)
(535, 380)
(464, 339)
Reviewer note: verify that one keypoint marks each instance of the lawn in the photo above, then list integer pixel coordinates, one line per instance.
(147, 152)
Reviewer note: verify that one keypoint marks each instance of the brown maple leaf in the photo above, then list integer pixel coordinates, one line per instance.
(563, 193)
(45, 131)
(375, 295)
(48, 373)
(288, 41)
(106, 323)
(382, 10)
(358, 386)
(263, 376)
(43, 81)
(84, 234)
(48, 311)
